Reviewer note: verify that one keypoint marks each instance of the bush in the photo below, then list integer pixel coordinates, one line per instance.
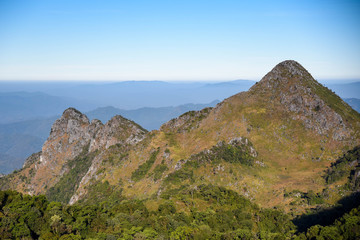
(144, 168)
(159, 170)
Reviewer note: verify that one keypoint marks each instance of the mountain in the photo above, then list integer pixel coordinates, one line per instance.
(346, 90)
(288, 143)
(138, 94)
(20, 139)
(9, 163)
(71, 135)
(291, 121)
(354, 103)
(21, 106)
(131, 94)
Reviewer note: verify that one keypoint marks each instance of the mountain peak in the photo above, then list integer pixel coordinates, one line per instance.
(71, 122)
(293, 90)
(286, 73)
(72, 113)
(292, 67)
(288, 69)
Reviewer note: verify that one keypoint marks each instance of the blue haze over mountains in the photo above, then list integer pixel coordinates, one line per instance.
(133, 94)
(28, 109)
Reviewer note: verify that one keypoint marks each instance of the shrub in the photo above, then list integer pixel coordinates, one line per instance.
(144, 168)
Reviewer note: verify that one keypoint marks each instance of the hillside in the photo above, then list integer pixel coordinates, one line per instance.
(297, 127)
(269, 146)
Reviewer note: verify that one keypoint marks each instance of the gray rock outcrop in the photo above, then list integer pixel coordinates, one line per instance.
(71, 135)
(307, 100)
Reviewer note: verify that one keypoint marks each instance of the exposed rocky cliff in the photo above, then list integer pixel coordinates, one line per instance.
(32, 159)
(317, 107)
(117, 130)
(71, 135)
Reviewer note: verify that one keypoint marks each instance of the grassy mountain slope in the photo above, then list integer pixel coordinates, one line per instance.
(296, 126)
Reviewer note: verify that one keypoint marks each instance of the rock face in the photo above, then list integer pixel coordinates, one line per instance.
(68, 136)
(72, 135)
(32, 159)
(298, 92)
(117, 130)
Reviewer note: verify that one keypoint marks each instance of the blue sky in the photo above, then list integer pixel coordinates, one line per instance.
(177, 39)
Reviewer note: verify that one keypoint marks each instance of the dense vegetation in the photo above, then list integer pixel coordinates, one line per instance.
(346, 166)
(201, 212)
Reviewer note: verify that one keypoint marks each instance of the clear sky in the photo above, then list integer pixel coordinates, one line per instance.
(176, 39)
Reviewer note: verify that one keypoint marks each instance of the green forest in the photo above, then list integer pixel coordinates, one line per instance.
(225, 215)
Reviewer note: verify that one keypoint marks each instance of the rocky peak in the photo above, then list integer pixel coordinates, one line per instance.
(292, 87)
(71, 135)
(288, 72)
(290, 66)
(72, 122)
(73, 113)
(117, 130)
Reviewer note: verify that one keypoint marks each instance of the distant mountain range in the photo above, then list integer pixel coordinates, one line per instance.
(133, 94)
(354, 103)
(22, 106)
(346, 90)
